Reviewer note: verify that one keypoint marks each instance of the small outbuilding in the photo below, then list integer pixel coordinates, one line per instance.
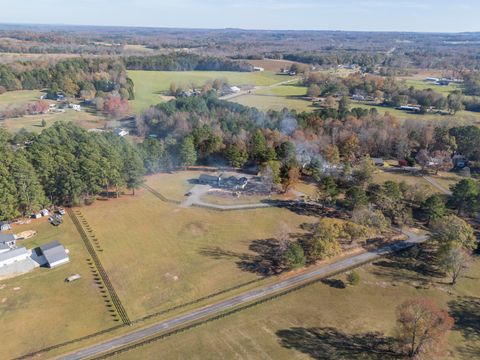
(55, 254)
(378, 161)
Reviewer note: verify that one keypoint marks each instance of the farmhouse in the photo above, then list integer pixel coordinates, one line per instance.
(13, 255)
(120, 132)
(55, 254)
(8, 239)
(212, 180)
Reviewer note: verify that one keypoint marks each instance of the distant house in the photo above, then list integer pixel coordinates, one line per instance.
(258, 68)
(55, 254)
(75, 107)
(409, 108)
(432, 79)
(8, 239)
(235, 89)
(459, 161)
(13, 255)
(378, 161)
(358, 97)
(206, 179)
(120, 132)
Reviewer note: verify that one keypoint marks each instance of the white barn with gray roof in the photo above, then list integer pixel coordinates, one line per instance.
(54, 253)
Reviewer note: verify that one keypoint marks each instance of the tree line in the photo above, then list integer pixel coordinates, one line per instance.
(64, 165)
(79, 77)
(185, 62)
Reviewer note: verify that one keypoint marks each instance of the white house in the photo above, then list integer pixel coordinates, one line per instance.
(11, 256)
(54, 253)
(235, 89)
(120, 132)
(75, 107)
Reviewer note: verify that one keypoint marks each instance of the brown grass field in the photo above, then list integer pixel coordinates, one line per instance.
(323, 322)
(40, 309)
(159, 255)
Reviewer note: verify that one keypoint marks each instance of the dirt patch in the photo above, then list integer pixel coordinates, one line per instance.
(194, 229)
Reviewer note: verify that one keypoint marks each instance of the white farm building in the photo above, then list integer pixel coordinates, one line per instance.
(14, 255)
(54, 253)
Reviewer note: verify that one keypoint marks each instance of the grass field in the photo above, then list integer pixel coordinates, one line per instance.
(19, 98)
(150, 85)
(40, 309)
(85, 119)
(422, 85)
(461, 117)
(265, 103)
(271, 64)
(178, 254)
(323, 322)
(283, 90)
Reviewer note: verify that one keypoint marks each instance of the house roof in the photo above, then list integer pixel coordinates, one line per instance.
(206, 177)
(13, 253)
(4, 238)
(53, 252)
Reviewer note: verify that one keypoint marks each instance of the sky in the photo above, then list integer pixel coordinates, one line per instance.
(357, 15)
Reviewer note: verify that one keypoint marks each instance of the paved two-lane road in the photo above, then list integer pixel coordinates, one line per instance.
(249, 296)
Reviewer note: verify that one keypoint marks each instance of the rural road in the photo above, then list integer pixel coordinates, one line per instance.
(249, 296)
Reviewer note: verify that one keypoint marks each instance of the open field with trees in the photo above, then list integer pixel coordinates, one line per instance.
(18, 98)
(277, 103)
(33, 123)
(150, 85)
(324, 322)
(42, 299)
(182, 253)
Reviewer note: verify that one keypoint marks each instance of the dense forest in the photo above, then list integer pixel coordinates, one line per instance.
(185, 62)
(64, 165)
(207, 130)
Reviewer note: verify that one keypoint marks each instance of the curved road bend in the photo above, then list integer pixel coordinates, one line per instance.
(215, 309)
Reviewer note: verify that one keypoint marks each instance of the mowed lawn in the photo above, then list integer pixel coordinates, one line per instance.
(151, 85)
(19, 98)
(322, 322)
(461, 117)
(159, 255)
(40, 309)
(85, 119)
(283, 90)
(265, 103)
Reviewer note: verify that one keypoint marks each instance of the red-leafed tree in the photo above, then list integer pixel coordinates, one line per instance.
(422, 327)
(115, 106)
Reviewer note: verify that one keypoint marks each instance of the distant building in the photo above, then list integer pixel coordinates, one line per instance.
(75, 107)
(358, 97)
(235, 89)
(258, 68)
(378, 161)
(13, 255)
(5, 226)
(120, 132)
(55, 254)
(206, 179)
(409, 108)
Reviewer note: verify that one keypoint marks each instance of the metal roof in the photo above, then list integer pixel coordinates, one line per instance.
(4, 238)
(13, 253)
(53, 252)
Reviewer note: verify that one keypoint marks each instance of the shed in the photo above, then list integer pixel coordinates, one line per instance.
(13, 255)
(55, 254)
(378, 161)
